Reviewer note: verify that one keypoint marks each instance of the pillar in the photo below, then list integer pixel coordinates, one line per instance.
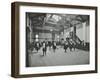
(84, 31)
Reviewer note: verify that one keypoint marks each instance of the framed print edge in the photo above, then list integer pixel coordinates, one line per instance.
(15, 43)
(96, 39)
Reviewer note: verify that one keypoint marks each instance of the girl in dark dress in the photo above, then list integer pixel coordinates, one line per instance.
(44, 49)
(54, 46)
(70, 45)
(65, 46)
(37, 46)
(49, 44)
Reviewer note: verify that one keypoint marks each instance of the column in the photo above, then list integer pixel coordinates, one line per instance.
(30, 31)
(84, 31)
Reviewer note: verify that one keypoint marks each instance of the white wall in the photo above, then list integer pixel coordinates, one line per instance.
(83, 32)
(87, 34)
(79, 33)
(5, 40)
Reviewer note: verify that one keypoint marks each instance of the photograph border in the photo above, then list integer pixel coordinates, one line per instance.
(15, 32)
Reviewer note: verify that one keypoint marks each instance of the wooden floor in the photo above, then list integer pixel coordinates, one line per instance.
(58, 58)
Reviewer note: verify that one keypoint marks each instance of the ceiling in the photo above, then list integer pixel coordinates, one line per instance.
(55, 22)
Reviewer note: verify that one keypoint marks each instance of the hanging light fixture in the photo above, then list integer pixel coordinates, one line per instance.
(36, 35)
